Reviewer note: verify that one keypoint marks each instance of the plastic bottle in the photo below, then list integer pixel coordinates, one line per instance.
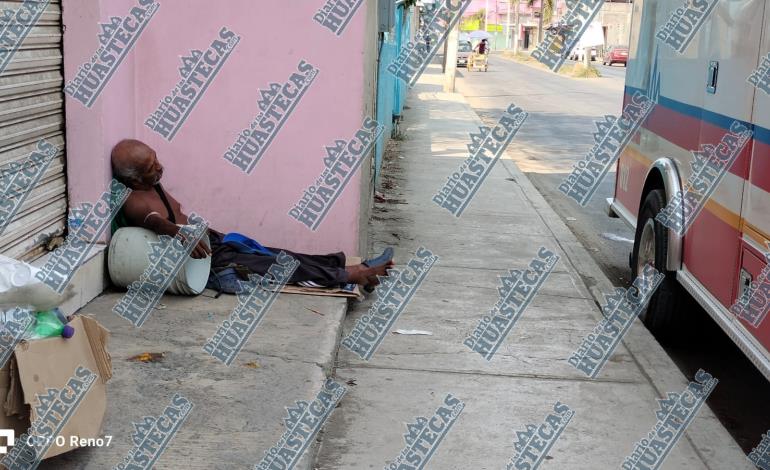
(49, 324)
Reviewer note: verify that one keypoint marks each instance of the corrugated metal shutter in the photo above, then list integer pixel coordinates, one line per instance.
(31, 108)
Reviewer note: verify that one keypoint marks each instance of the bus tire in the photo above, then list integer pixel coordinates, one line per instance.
(664, 315)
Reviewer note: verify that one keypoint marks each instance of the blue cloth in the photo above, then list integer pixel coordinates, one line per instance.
(225, 280)
(244, 244)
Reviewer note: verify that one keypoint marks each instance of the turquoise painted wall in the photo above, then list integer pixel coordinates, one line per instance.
(391, 92)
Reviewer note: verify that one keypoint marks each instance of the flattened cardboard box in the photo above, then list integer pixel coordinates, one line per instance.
(49, 363)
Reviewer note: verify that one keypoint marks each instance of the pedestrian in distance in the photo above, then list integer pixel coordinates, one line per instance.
(481, 47)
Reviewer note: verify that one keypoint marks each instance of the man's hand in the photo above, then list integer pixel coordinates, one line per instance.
(200, 251)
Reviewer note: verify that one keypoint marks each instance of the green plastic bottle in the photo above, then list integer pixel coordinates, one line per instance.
(49, 324)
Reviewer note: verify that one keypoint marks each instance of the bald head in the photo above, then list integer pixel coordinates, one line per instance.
(135, 164)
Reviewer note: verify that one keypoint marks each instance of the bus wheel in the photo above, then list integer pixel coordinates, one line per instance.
(663, 315)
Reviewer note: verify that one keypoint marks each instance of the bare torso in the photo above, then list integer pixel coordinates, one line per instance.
(142, 203)
(145, 208)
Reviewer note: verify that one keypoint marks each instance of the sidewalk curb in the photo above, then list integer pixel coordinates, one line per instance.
(328, 366)
(661, 372)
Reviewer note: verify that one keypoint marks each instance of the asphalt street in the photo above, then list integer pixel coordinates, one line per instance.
(562, 115)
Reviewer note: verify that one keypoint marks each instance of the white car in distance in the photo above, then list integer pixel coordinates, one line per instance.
(578, 53)
(464, 51)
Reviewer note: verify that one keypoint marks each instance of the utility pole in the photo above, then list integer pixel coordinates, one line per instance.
(451, 59)
(443, 63)
(486, 15)
(508, 26)
(516, 28)
(540, 24)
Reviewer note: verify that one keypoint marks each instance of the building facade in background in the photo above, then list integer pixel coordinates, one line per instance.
(614, 17)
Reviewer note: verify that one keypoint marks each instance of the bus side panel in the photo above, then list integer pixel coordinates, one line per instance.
(673, 128)
(756, 201)
(632, 167)
(711, 253)
(730, 38)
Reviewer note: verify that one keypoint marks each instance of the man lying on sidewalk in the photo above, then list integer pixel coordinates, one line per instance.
(150, 206)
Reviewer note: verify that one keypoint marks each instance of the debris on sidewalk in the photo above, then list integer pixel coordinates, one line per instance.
(148, 357)
(615, 238)
(412, 332)
(314, 311)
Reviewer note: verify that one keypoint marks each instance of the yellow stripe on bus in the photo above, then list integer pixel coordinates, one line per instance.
(724, 214)
(755, 234)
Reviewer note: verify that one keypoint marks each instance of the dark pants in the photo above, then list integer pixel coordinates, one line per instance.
(327, 270)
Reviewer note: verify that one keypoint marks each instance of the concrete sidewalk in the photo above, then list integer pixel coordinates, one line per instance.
(238, 410)
(502, 229)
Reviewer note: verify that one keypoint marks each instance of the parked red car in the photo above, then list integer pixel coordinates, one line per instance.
(617, 54)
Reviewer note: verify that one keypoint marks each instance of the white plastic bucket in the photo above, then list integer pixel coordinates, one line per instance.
(127, 259)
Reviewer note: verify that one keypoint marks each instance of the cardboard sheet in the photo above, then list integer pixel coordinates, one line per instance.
(50, 362)
(13, 415)
(328, 291)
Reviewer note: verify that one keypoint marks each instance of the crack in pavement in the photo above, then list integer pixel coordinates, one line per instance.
(347, 365)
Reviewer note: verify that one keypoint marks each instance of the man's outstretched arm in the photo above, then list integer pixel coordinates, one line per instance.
(140, 214)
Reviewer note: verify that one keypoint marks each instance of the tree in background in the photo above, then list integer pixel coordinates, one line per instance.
(478, 18)
(546, 13)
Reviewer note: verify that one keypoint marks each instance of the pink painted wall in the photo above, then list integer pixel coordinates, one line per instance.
(275, 35)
